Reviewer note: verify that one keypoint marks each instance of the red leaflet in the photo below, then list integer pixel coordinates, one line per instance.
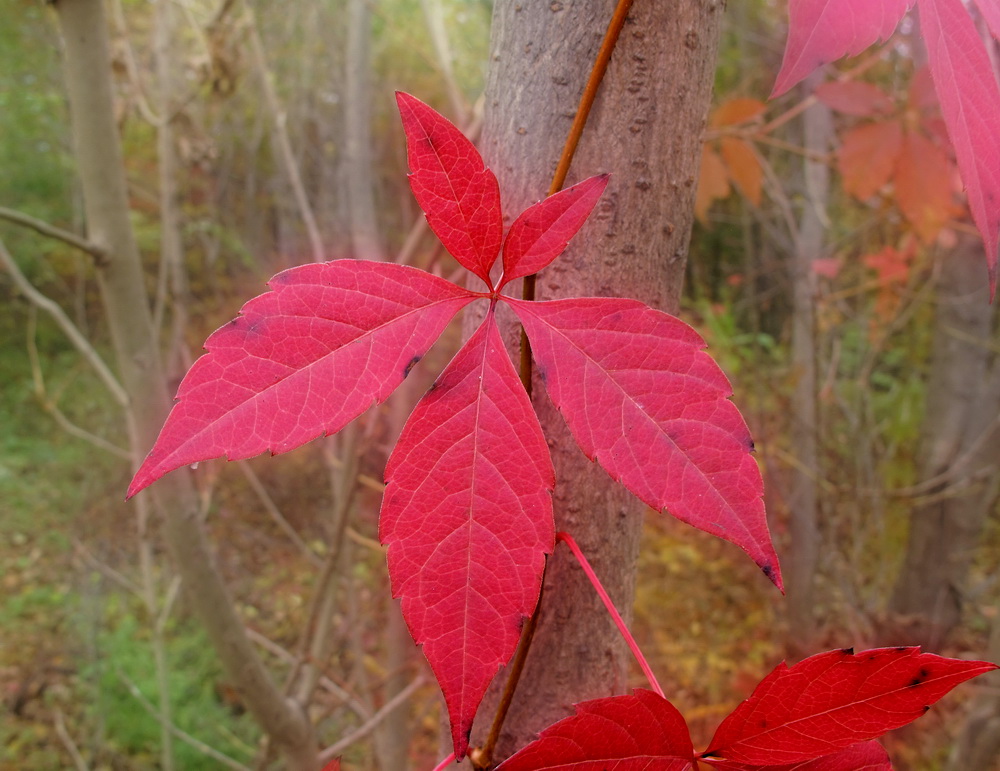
(924, 185)
(867, 756)
(821, 31)
(640, 732)
(333, 765)
(834, 700)
(325, 344)
(467, 517)
(868, 157)
(854, 97)
(743, 166)
(970, 103)
(644, 400)
(459, 195)
(542, 231)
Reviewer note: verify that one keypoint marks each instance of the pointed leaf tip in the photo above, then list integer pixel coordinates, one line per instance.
(821, 31)
(458, 194)
(834, 700)
(542, 231)
(645, 401)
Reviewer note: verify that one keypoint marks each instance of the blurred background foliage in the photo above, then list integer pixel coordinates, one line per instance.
(76, 657)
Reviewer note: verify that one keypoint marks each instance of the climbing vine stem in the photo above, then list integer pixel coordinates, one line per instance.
(482, 757)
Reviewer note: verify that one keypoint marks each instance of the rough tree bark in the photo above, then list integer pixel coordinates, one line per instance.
(98, 154)
(978, 744)
(645, 129)
(961, 439)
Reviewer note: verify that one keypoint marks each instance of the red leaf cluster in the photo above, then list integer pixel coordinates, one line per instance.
(467, 515)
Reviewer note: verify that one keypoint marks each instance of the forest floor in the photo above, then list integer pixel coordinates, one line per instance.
(75, 647)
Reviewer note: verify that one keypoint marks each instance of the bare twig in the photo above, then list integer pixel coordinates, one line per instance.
(355, 736)
(272, 509)
(131, 67)
(314, 645)
(289, 658)
(49, 404)
(76, 337)
(108, 571)
(68, 743)
(361, 540)
(442, 49)
(99, 253)
(184, 736)
(279, 119)
(363, 479)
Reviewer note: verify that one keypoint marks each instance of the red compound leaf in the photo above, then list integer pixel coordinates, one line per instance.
(458, 194)
(833, 700)
(467, 517)
(641, 732)
(303, 360)
(643, 399)
(542, 231)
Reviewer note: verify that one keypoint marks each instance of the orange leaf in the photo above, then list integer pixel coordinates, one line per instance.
(737, 111)
(867, 157)
(924, 185)
(853, 97)
(713, 182)
(891, 265)
(744, 167)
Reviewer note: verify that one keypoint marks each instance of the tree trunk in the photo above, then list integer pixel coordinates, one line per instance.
(98, 156)
(171, 244)
(978, 744)
(961, 441)
(803, 502)
(646, 129)
(359, 164)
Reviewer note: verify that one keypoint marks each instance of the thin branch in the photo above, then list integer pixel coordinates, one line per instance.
(369, 543)
(99, 253)
(50, 405)
(68, 743)
(72, 331)
(131, 67)
(442, 49)
(108, 571)
(279, 123)
(289, 658)
(316, 637)
(272, 509)
(173, 592)
(184, 736)
(865, 64)
(363, 479)
(360, 733)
